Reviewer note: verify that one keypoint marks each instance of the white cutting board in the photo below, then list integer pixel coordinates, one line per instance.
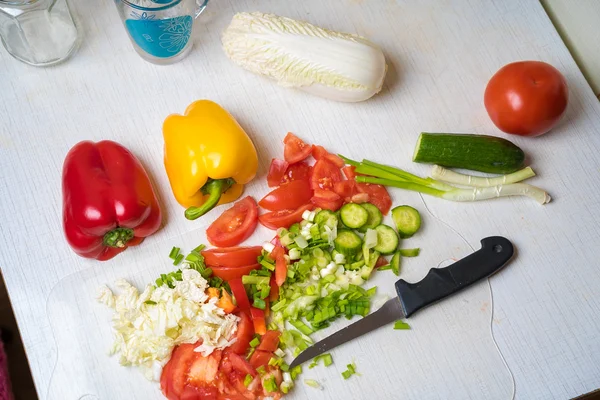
(448, 349)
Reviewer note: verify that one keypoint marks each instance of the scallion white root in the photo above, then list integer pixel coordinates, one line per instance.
(513, 189)
(446, 175)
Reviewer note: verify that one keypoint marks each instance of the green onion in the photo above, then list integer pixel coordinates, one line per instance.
(286, 387)
(267, 264)
(410, 252)
(312, 383)
(346, 374)
(174, 253)
(351, 370)
(401, 325)
(301, 326)
(446, 175)
(372, 291)
(269, 384)
(284, 367)
(255, 280)
(279, 305)
(198, 249)
(178, 259)
(152, 303)
(264, 291)
(385, 267)
(297, 370)
(327, 359)
(252, 350)
(254, 342)
(261, 370)
(248, 380)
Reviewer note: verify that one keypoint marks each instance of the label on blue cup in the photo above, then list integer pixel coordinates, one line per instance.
(160, 38)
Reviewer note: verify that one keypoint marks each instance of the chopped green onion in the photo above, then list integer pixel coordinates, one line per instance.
(295, 254)
(301, 241)
(385, 267)
(302, 327)
(198, 249)
(268, 265)
(297, 370)
(284, 367)
(152, 303)
(255, 280)
(255, 342)
(279, 305)
(174, 252)
(312, 383)
(410, 252)
(346, 374)
(372, 291)
(286, 387)
(248, 380)
(178, 258)
(350, 371)
(401, 325)
(269, 384)
(264, 292)
(327, 359)
(261, 370)
(252, 350)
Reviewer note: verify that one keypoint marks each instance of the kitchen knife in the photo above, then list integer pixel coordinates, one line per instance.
(439, 283)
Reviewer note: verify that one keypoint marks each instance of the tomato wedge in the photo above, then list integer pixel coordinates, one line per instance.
(269, 341)
(349, 172)
(227, 274)
(240, 364)
(325, 174)
(245, 333)
(235, 224)
(288, 196)
(346, 189)
(239, 292)
(318, 152)
(378, 196)
(260, 358)
(258, 319)
(274, 293)
(283, 218)
(231, 257)
(295, 149)
(299, 171)
(277, 170)
(280, 270)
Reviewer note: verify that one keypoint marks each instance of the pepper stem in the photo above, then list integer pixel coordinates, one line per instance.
(118, 237)
(214, 188)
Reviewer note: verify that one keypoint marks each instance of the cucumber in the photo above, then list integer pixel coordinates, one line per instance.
(348, 243)
(365, 271)
(387, 239)
(395, 263)
(375, 217)
(474, 152)
(326, 217)
(353, 215)
(407, 220)
(410, 252)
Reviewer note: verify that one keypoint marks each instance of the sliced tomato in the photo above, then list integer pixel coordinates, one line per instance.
(239, 292)
(277, 252)
(325, 174)
(227, 274)
(349, 172)
(378, 196)
(204, 369)
(295, 149)
(258, 319)
(165, 378)
(240, 364)
(283, 218)
(277, 170)
(269, 341)
(235, 224)
(288, 196)
(280, 270)
(327, 199)
(181, 360)
(231, 257)
(318, 152)
(299, 171)
(260, 358)
(245, 332)
(274, 292)
(202, 392)
(345, 189)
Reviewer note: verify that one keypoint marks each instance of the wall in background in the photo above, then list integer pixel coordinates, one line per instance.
(578, 22)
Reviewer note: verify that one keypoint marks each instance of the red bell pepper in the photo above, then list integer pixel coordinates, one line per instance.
(108, 200)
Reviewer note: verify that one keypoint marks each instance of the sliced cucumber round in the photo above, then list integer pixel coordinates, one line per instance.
(353, 215)
(348, 243)
(387, 239)
(375, 217)
(407, 220)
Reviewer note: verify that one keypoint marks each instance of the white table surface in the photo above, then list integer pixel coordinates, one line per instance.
(440, 53)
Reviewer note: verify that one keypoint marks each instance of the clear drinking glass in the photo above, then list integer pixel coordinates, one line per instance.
(160, 30)
(38, 32)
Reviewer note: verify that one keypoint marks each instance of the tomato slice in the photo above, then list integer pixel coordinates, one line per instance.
(269, 341)
(245, 333)
(165, 377)
(288, 196)
(231, 257)
(240, 364)
(378, 196)
(345, 189)
(327, 199)
(300, 171)
(260, 358)
(235, 224)
(202, 392)
(239, 292)
(274, 292)
(204, 369)
(318, 152)
(283, 218)
(227, 274)
(277, 170)
(295, 149)
(325, 174)
(349, 171)
(280, 269)
(181, 360)
(258, 319)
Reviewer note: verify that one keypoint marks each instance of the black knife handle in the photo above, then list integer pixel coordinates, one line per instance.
(442, 282)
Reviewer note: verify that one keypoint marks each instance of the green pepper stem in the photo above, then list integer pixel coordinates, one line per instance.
(214, 188)
(118, 237)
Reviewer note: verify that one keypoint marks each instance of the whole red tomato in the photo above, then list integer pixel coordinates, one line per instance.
(526, 98)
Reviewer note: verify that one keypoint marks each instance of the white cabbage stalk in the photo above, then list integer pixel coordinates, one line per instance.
(337, 66)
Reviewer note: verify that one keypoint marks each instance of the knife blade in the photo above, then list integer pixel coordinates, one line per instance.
(439, 283)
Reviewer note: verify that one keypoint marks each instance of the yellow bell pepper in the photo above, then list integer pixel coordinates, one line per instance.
(208, 157)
